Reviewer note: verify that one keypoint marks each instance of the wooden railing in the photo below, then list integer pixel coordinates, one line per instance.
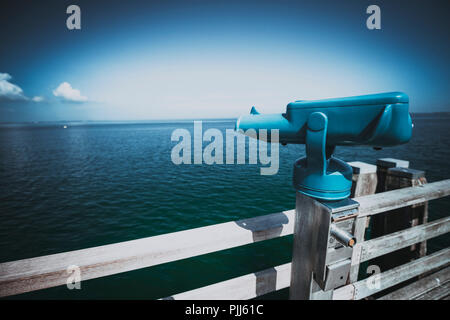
(49, 271)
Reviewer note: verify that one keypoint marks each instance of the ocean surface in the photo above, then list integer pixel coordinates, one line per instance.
(97, 183)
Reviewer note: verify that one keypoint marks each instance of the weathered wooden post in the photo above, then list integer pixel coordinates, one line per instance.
(364, 183)
(389, 222)
(364, 179)
(410, 216)
(383, 165)
(303, 248)
(378, 223)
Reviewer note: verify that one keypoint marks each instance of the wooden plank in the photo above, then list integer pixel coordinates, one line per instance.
(402, 239)
(383, 165)
(344, 293)
(256, 284)
(364, 183)
(420, 287)
(390, 200)
(438, 293)
(422, 250)
(406, 217)
(392, 163)
(310, 216)
(318, 294)
(51, 270)
(358, 232)
(382, 281)
(360, 167)
(241, 288)
(364, 178)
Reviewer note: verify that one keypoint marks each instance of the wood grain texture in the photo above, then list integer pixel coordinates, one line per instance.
(240, 288)
(304, 247)
(358, 232)
(390, 200)
(418, 289)
(438, 293)
(382, 281)
(51, 270)
(402, 239)
(256, 284)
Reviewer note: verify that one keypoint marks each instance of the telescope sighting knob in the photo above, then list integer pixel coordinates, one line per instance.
(254, 111)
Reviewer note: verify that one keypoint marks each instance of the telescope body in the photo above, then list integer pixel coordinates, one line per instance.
(378, 120)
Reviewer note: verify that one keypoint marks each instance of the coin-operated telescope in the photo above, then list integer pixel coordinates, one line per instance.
(377, 120)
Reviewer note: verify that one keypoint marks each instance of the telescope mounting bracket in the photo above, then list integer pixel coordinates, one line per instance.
(319, 174)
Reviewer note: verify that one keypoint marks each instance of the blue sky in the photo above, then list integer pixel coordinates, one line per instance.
(138, 60)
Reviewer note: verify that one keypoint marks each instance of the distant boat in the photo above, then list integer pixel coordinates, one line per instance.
(65, 127)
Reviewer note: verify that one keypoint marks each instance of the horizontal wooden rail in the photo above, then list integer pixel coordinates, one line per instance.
(48, 271)
(401, 239)
(241, 288)
(399, 198)
(256, 284)
(378, 282)
(420, 288)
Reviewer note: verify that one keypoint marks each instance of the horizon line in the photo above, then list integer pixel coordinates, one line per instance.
(171, 119)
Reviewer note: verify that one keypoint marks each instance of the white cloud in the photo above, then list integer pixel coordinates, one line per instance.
(38, 99)
(9, 90)
(67, 93)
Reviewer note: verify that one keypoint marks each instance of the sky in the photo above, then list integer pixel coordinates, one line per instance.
(145, 60)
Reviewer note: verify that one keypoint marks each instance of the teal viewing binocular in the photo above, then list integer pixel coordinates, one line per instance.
(377, 120)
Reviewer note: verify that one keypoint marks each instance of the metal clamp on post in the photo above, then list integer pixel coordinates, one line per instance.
(334, 243)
